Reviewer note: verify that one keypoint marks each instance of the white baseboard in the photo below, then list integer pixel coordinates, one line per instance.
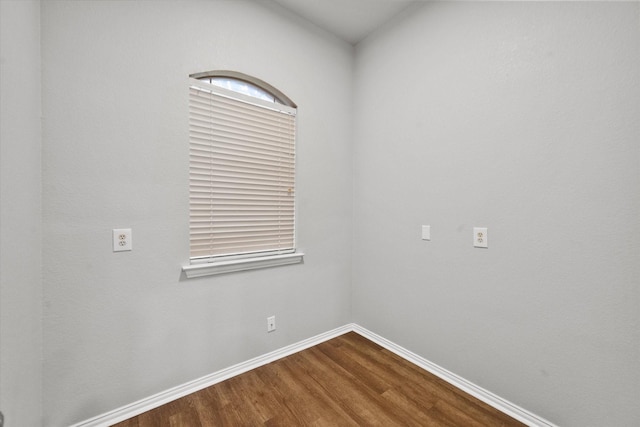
(128, 411)
(474, 390)
(152, 402)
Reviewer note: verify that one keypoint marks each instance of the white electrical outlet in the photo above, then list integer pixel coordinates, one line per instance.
(271, 323)
(122, 240)
(480, 237)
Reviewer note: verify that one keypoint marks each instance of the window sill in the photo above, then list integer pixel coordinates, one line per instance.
(222, 267)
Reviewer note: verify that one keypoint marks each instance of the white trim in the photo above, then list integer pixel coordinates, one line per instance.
(128, 411)
(474, 390)
(230, 266)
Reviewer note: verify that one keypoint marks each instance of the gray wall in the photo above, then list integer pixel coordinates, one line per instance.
(119, 327)
(523, 118)
(20, 214)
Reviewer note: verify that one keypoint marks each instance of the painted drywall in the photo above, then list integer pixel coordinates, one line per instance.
(119, 327)
(522, 117)
(20, 214)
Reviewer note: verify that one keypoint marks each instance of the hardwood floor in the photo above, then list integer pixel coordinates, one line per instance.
(346, 381)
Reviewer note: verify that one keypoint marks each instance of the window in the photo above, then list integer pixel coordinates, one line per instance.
(241, 174)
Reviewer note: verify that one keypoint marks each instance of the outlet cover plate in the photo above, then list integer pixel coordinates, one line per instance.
(480, 237)
(271, 323)
(122, 240)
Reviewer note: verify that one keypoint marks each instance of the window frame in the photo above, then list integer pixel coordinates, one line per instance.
(236, 75)
(226, 263)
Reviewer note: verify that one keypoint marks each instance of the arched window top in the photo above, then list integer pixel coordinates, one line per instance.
(245, 84)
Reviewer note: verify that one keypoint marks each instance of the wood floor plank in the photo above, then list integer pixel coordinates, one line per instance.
(327, 409)
(393, 370)
(364, 404)
(131, 422)
(415, 415)
(294, 395)
(241, 397)
(454, 396)
(364, 368)
(207, 404)
(346, 381)
(368, 361)
(324, 377)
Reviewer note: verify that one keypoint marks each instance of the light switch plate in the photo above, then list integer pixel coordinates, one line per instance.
(480, 237)
(426, 232)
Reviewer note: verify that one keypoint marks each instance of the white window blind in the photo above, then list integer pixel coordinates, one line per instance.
(241, 174)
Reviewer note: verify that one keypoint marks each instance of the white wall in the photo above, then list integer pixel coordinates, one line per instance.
(119, 327)
(20, 214)
(521, 117)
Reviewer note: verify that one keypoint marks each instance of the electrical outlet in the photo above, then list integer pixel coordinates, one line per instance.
(480, 237)
(122, 240)
(271, 323)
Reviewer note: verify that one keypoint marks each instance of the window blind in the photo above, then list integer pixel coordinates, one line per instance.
(241, 174)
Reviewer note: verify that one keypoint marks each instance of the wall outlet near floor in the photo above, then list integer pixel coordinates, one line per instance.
(271, 323)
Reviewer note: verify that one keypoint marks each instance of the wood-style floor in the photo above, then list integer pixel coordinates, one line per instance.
(346, 381)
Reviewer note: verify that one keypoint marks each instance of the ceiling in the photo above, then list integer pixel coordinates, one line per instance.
(351, 20)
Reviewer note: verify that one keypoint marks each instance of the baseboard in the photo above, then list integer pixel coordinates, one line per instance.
(152, 402)
(474, 390)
